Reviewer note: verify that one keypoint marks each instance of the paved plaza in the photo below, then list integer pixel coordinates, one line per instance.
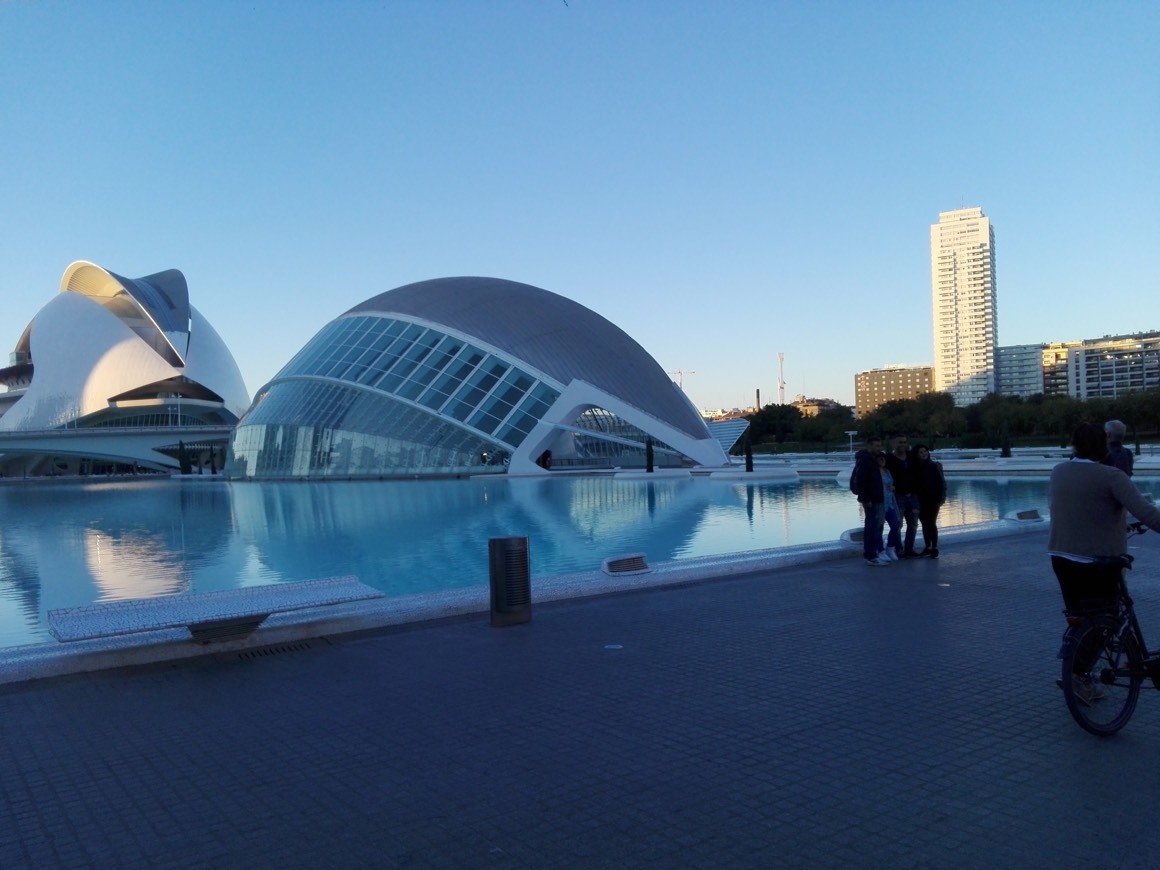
(827, 715)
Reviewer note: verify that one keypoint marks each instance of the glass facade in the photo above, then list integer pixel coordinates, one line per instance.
(331, 430)
(375, 396)
(156, 419)
(601, 436)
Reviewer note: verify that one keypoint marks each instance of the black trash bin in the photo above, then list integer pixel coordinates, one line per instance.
(511, 581)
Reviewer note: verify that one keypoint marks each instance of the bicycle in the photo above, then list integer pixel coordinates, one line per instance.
(1105, 660)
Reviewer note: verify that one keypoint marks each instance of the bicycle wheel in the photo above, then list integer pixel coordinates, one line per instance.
(1101, 677)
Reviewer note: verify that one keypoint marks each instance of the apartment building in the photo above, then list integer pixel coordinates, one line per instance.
(966, 322)
(876, 387)
(1021, 369)
(1106, 368)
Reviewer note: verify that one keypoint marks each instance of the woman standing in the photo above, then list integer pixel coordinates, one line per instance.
(931, 488)
(893, 548)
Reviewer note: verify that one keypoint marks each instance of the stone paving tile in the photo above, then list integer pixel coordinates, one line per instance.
(820, 716)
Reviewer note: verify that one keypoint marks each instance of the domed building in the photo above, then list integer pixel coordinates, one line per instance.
(109, 352)
(462, 376)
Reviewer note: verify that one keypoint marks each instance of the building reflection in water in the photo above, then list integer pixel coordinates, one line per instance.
(69, 544)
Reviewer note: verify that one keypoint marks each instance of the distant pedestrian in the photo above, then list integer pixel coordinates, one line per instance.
(893, 548)
(866, 481)
(900, 461)
(1118, 456)
(931, 487)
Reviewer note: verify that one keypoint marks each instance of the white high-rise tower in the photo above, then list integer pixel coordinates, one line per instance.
(966, 317)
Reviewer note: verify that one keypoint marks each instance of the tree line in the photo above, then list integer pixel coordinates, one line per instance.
(997, 421)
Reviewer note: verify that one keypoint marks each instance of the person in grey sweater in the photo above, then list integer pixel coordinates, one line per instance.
(1088, 502)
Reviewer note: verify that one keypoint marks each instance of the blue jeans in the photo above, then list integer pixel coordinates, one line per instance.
(908, 510)
(872, 528)
(893, 539)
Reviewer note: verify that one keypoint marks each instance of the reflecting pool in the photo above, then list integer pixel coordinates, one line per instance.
(67, 544)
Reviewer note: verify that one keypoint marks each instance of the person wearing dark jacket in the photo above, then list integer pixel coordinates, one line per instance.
(900, 464)
(867, 483)
(931, 488)
(1118, 456)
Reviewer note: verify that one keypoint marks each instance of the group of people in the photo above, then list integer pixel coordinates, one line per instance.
(1089, 498)
(902, 487)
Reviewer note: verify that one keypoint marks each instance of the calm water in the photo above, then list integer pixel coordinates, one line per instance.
(63, 545)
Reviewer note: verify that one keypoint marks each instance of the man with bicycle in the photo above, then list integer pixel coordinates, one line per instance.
(1102, 658)
(1088, 502)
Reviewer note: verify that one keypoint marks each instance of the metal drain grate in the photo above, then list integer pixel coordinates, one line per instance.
(631, 564)
(278, 649)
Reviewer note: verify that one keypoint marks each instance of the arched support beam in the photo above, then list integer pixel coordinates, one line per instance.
(578, 397)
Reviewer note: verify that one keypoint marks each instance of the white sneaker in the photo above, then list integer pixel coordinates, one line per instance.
(876, 563)
(889, 555)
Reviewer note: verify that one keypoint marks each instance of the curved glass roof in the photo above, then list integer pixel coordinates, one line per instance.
(551, 333)
(426, 368)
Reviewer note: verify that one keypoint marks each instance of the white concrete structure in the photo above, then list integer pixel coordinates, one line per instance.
(966, 316)
(109, 351)
(468, 375)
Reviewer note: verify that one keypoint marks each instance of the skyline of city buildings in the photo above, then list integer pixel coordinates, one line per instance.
(964, 304)
(1092, 368)
(969, 363)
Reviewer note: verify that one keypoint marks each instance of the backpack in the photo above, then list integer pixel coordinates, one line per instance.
(854, 481)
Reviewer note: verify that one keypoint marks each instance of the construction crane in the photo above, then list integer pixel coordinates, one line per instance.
(780, 378)
(680, 376)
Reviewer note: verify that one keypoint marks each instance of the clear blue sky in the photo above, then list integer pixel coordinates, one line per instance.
(722, 180)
